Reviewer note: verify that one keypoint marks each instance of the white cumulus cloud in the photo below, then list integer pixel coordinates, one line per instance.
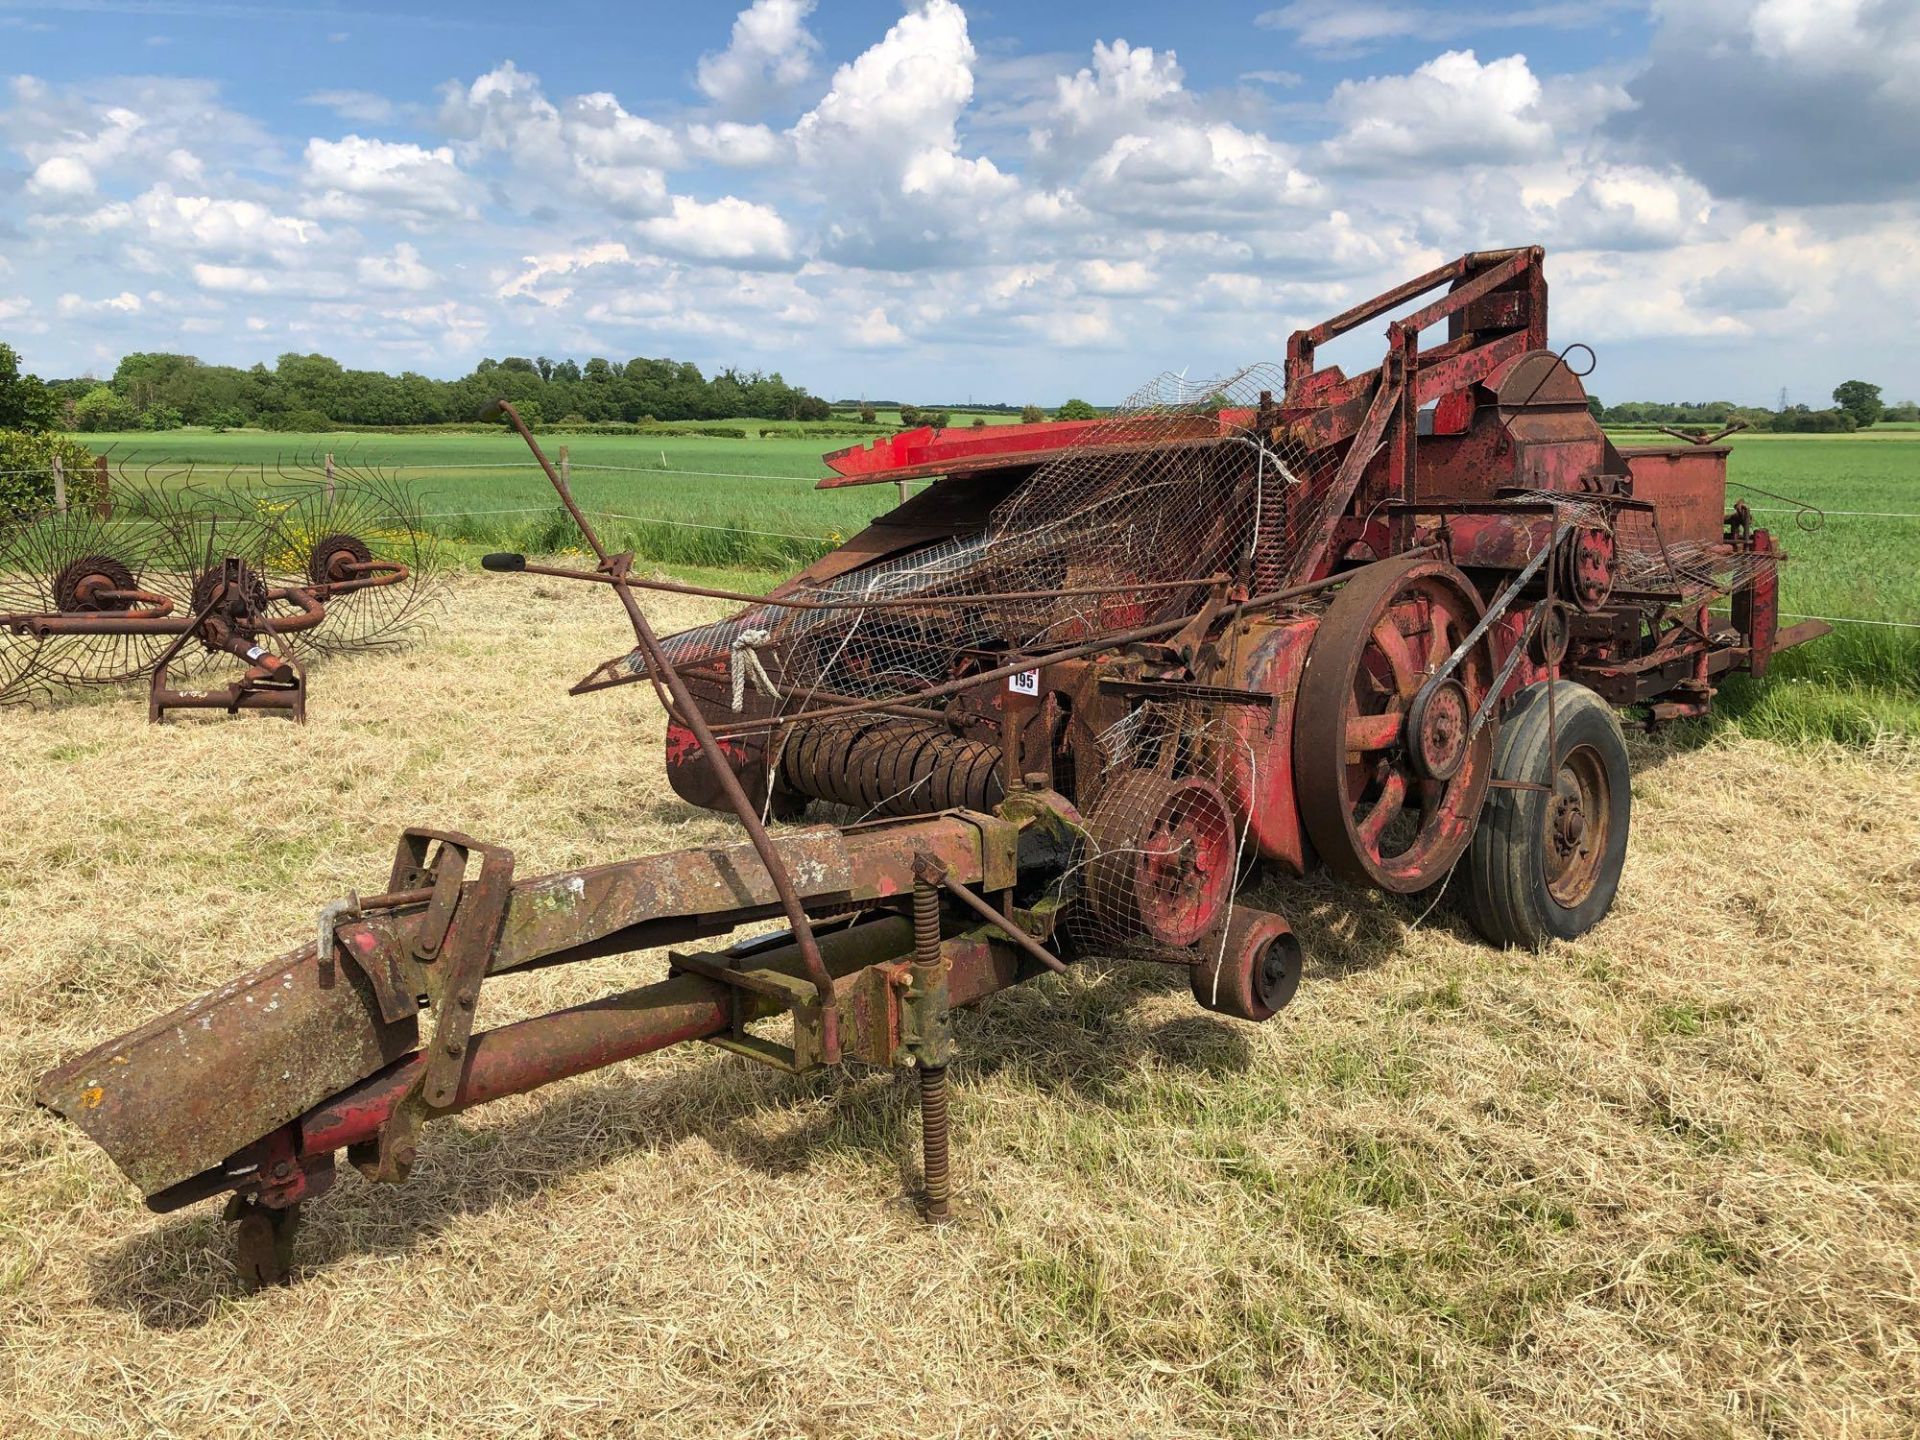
(728, 231)
(61, 175)
(402, 270)
(769, 55)
(1452, 109)
(356, 178)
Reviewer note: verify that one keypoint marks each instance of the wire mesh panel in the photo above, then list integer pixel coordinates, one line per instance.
(1694, 569)
(1129, 525)
(1188, 488)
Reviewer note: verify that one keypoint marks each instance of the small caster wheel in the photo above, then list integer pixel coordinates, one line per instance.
(1254, 973)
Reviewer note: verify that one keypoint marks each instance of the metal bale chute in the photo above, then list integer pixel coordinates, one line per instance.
(216, 590)
(1060, 705)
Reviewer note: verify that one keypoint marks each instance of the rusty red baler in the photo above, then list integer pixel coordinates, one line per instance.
(1060, 702)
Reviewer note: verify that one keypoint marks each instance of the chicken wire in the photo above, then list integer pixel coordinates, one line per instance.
(1126, 527)
(1697, 570)
(1163, 851)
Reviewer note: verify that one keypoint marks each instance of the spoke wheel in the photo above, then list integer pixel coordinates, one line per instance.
(86, 585)
(334, 558)
(1389, 789)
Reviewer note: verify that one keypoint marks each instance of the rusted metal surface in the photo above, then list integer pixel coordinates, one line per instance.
(1355, 771)
(96, 620)
(1689, 485)
(191, 1087)
(880, 765)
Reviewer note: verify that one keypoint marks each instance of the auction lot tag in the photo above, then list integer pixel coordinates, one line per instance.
(1027, 682)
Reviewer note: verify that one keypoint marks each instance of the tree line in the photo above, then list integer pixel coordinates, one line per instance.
(310, 393)
(306, 393)
(1856, 405)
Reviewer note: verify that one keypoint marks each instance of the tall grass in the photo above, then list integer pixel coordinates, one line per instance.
(734, 543)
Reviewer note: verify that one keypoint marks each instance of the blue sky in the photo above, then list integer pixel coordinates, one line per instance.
(945, 200)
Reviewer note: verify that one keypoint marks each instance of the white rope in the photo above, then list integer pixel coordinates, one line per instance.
(745, 662)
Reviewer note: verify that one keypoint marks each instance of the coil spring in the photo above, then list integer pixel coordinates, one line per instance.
(892, 767)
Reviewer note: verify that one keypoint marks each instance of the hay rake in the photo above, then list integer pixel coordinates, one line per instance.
(1064, 699)
(182, 575)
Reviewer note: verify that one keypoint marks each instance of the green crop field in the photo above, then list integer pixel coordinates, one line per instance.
(674, 499)
(748, 507)
(1863, 681)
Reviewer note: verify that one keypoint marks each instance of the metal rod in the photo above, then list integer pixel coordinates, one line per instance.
(886, 602)
(1012, 931)
(527, 1054)
(703, 735)
(501, 407)
(524, 1056)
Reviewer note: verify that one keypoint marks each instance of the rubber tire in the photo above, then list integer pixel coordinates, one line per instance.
(1509, 902)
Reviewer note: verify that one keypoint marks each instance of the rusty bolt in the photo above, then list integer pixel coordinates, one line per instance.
(454, 1047)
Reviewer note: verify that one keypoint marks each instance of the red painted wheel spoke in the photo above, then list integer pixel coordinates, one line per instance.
(1374, 732)
(1399, 653)
(1440, 641)
(1393, 795)
(1384, 636)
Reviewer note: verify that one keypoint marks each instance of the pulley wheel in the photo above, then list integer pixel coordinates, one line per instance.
(1552, 634)
(1252, 970)
(1588, 564)
(1389, 791)
(1162, 858)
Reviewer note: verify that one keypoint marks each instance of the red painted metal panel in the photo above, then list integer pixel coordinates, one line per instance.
(916, 454)
(1689, 485)
(917, 450)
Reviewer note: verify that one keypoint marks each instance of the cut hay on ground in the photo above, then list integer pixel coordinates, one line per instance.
(1663, 1182)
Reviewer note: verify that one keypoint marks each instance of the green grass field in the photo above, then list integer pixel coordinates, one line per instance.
(1863, 681)
(748, 508)
(677, 500)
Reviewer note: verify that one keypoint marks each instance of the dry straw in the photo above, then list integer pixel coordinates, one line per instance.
(1662, 1182)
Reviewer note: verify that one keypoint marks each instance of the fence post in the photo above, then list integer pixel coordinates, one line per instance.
(566, 467)
(59, 486)
(903, 492)
(103, 499)
(329, 477)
